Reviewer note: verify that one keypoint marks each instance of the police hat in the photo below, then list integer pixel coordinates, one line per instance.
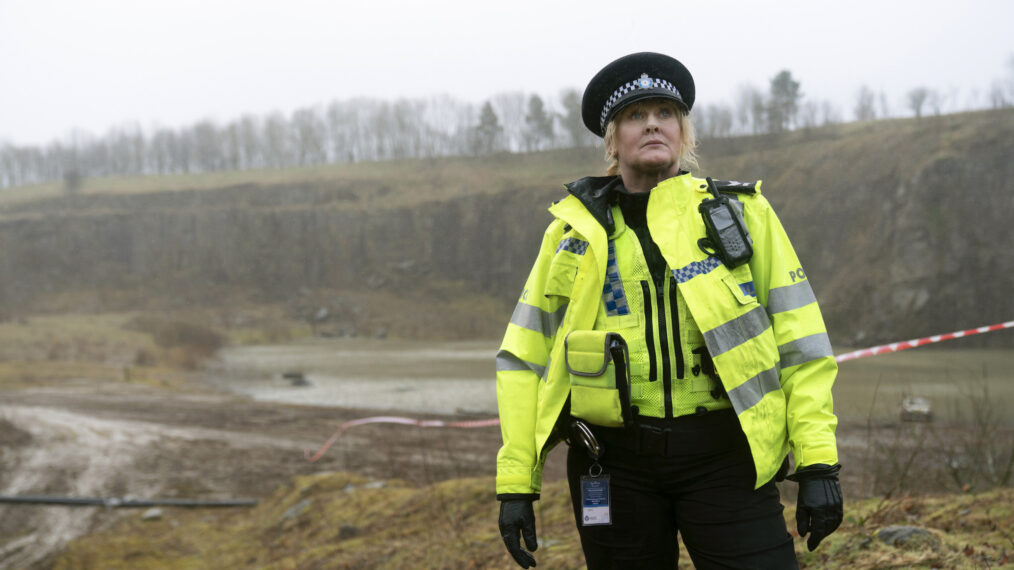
(631, 78)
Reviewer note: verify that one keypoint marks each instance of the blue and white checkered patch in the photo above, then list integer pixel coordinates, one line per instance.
(748, 289)
(573, 245)
(643, 82)
(613, 296)
(695, 268)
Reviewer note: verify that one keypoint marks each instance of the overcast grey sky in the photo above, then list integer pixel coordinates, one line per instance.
(94, 64)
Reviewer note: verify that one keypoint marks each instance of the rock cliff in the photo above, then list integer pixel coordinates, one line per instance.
(904, 228)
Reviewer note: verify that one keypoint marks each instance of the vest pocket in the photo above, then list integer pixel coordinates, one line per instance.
(599, 377)
(743, 292)
(562, 274)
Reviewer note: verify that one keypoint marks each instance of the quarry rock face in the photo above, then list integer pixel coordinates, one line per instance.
(903, 233)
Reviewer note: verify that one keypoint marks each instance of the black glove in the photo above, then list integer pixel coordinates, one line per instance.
(518, 515)
(819, 504)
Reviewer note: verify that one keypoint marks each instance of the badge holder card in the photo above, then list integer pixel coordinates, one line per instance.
(595, 498)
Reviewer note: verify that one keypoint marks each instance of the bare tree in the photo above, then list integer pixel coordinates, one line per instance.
(865, 109)
(998, 96)
(808, 115)
(276, 141)
(308, 134)
(13, 169)
(445, 117)
(95, 158)
(885, 107)
(232, 147)
(161, 151)
(829, 113)
(751, 109)
(207, 147)
(183, 151)
(126, 149)
(714, 120)
(936, 101)
(7, 165)
(916, 99)
(409, 131)
(510, 108)
(341, 132)
(376, 129)
(250, 141)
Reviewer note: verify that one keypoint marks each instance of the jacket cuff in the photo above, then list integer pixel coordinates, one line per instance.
(817, 471)
(815, 454)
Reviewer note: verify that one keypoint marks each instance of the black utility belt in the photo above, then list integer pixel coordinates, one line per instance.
(685, 435)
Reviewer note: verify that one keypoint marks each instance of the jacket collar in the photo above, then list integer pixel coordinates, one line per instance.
(596, 194)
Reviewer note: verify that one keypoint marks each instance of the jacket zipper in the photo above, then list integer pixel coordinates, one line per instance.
(677, 345)
(664, 350)
(649, 333)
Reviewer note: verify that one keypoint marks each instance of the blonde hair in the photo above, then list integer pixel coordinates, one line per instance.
(688, 144)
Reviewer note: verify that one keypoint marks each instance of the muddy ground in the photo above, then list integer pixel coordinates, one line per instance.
(118, 440)
(115, 439)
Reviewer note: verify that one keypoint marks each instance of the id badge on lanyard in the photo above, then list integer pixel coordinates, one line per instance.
(595, 497)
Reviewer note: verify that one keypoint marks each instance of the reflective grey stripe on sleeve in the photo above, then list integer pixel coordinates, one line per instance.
(535, 319)
(781, 299)
(506, 361)
(747, 394)
(805, 349)
(727, 336)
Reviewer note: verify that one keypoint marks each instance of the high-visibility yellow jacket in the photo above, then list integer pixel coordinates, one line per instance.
(759, 321)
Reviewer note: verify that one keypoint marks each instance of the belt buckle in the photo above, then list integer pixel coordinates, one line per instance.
(652, 440)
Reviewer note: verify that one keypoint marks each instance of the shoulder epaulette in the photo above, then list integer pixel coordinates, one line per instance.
(733, 186)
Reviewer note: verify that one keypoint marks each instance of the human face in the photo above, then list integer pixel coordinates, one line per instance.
(648, 140)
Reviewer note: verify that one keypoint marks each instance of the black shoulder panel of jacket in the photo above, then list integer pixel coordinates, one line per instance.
(596, 195)
(733, 186)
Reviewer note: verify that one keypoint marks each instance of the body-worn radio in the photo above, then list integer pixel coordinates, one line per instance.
(728, 237)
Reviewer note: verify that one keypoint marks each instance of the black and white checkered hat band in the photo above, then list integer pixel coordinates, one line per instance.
(636, 84)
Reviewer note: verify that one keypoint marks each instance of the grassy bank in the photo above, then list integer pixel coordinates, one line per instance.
(338, 520)
(343, 520)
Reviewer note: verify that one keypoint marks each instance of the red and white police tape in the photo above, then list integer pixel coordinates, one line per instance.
(896, 346)
(882, 349)
(394, 420)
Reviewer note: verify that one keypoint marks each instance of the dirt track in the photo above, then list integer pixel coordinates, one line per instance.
(121, 440)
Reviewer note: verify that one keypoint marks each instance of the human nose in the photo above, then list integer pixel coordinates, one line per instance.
(651, 124)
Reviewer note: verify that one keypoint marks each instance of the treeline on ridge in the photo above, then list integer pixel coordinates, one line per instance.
(364, 129)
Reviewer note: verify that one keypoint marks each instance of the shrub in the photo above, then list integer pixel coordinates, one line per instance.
(186, 344)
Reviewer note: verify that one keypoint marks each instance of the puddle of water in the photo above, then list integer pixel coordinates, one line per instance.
(413, 376)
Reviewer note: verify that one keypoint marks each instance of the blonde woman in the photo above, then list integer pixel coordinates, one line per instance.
(668, 333)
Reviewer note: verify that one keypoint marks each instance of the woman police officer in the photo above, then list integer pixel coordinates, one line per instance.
(677, 347)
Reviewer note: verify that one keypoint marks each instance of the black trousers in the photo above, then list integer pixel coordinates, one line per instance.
(696, 480)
